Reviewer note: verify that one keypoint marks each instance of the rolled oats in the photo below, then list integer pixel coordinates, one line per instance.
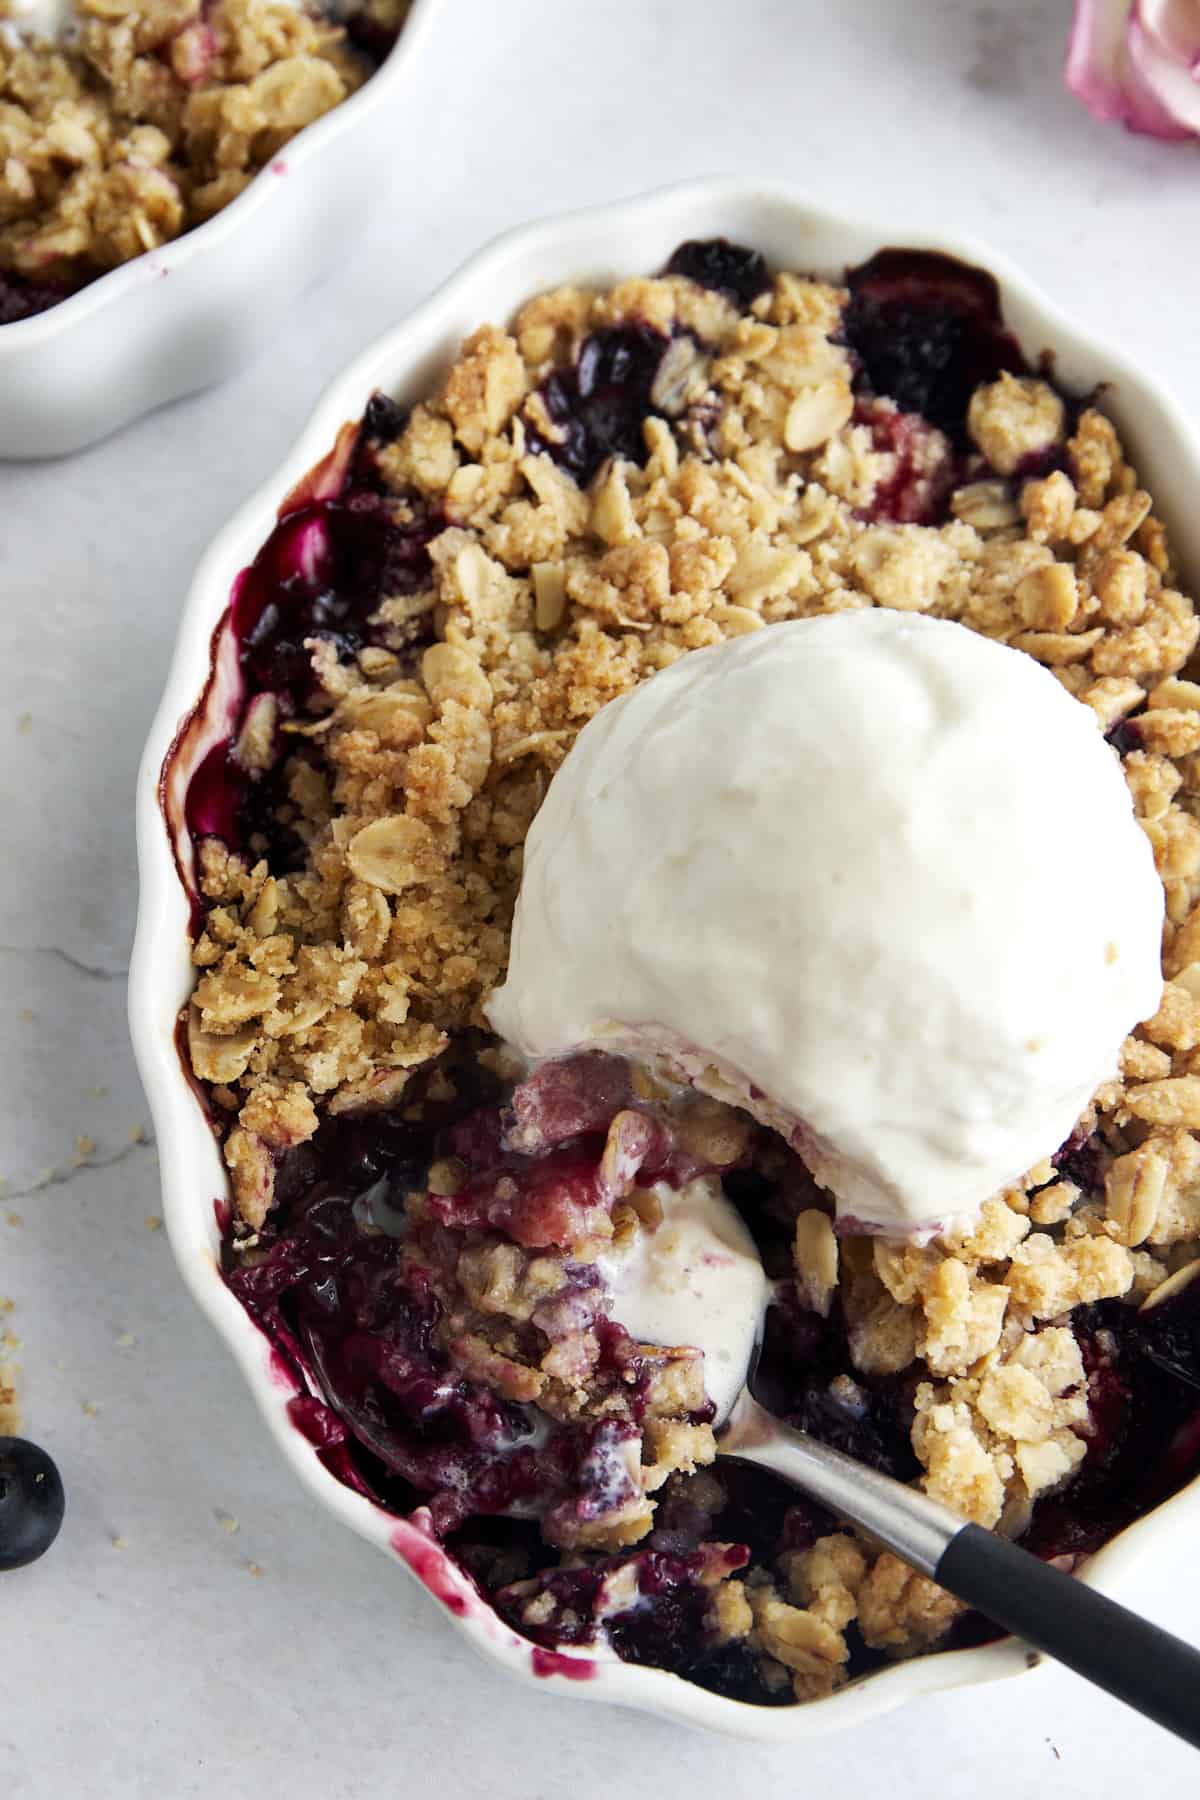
(393, 853)
(816, 414)
(1134, 1190)
(1047, 599)
(1174, 1284)
(816, 1255)
(1175, 1101)
(987, 505)
(795, 1636)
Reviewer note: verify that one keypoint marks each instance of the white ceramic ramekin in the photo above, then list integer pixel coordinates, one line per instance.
(597, 247)
(187, 315)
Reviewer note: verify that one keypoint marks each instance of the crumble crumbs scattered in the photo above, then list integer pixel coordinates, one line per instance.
(10, 1406)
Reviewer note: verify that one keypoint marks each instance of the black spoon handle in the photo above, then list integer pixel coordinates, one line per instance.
(1146, 1667)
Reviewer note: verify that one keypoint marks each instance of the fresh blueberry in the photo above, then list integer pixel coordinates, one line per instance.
(31, 1502)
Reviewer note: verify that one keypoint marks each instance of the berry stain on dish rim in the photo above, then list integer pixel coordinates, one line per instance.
(391, 1403)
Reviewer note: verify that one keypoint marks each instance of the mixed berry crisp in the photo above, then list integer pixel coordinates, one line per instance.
(422, 1226)
(146, 117)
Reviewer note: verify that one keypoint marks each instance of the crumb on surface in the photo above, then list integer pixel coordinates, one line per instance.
(10, 1406)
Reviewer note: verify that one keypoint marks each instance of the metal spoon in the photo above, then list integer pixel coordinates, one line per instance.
(1152, 1671)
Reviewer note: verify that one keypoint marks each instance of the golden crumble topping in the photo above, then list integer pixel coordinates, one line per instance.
(411, 782)
(150, 116)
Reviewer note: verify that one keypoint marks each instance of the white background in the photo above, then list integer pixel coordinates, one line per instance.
(161, 1664)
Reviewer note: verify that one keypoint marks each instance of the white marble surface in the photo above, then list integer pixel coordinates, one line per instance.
(147, 1656)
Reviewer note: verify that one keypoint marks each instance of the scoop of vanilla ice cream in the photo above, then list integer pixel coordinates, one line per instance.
(694, 1279)
(870, 875)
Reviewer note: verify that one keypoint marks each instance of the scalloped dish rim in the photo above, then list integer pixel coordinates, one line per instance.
(593, 245)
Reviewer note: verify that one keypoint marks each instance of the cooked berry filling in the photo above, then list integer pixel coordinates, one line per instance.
(23, 299)
(730, 269)
(927, 331)
(339, 1279)
(1143, 1427)
(597, 405)
(318, 580)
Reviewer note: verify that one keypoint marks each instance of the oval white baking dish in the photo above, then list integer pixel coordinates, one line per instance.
(597, 246)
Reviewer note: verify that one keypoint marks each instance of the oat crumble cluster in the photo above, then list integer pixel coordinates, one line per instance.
(149, 119)
(612, 481)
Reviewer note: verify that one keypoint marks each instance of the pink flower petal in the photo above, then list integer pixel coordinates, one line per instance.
(1175, 27)
(1096, 56)
(1166, 78)
(1102, 71)
(1144, 114)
